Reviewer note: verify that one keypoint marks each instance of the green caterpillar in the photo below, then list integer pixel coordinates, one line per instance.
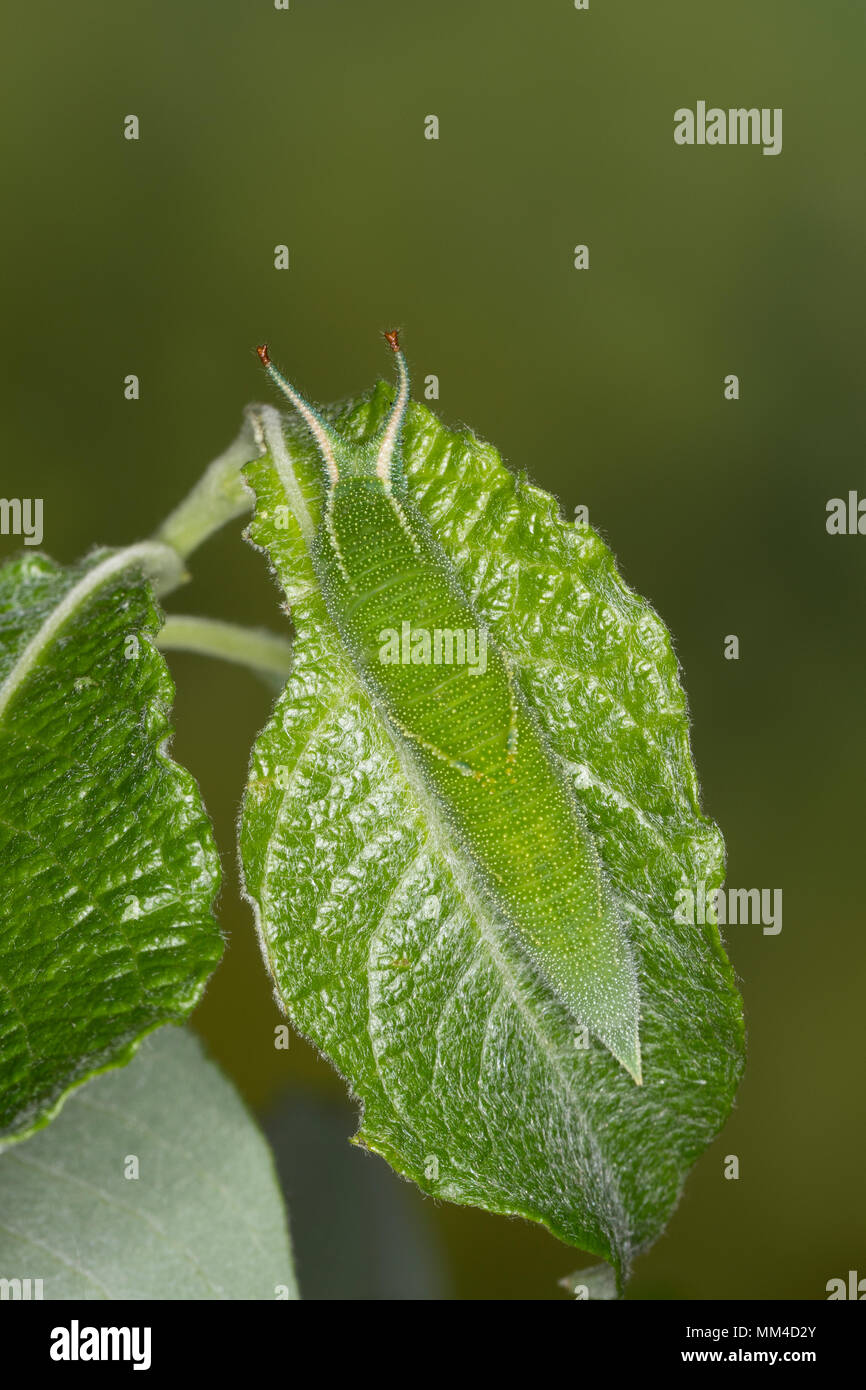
(450, 698)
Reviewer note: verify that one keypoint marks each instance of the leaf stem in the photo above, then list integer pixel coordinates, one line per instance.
(263, 651)
(219, 495)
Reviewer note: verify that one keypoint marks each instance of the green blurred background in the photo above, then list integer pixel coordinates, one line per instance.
(306, 127)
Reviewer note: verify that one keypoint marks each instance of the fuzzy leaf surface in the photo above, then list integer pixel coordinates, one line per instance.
(474, 1081)
(154, 1182)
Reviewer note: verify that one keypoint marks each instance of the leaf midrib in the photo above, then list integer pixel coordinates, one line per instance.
(158, 561)
(451, 854)
(430, 812)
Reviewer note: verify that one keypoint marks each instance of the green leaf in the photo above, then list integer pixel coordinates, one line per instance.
(475, 1082)
(203, 1218)
(107, 864)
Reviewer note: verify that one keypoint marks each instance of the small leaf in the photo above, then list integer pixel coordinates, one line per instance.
(474, 1079)
(107, 863)
(153, 1183)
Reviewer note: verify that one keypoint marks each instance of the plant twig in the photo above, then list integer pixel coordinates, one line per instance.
(219, 495)
(263, 651)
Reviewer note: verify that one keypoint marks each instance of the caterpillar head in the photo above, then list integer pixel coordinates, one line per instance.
(341, 457)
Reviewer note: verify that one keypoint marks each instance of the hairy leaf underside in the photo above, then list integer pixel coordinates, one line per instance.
(385, 950)
(200, 1216)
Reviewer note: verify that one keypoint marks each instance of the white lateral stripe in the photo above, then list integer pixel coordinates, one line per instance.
(389, 439)
(314, 424)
